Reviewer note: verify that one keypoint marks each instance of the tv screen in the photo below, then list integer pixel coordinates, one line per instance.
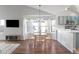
(12, 23)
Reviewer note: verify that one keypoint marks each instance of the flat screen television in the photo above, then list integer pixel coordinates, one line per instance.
(12, 23)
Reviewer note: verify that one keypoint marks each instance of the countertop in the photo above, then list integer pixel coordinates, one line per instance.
(76, 31)
(69, 30)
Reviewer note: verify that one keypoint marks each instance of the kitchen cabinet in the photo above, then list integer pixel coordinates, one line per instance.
(61, 20)
(77, 40)
(77, 20)
(68, 20)
(66, 39)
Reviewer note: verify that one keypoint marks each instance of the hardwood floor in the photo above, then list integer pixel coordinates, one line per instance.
(51, 47)
(39, 46)
(76, 50)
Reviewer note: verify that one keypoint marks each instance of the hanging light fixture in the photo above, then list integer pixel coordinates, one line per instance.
(39, 10)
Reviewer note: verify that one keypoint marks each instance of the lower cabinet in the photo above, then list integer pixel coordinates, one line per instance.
(77, 40)
(66, 39)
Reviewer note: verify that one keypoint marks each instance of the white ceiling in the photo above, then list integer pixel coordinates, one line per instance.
(52, 9)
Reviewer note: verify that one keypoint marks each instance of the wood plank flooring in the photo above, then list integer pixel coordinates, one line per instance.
(48, 47)
(76, 50)
(39, 46)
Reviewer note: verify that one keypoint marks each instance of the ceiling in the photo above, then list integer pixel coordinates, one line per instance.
(52, 9)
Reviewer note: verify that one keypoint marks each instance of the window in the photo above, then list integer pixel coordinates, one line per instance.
(53, 25)
(53, 22)
(2, 22)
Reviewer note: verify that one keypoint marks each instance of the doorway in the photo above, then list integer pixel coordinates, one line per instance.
(35, 25)
(40, 27)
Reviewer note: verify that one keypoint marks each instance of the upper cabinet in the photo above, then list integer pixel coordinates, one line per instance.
(68, 20)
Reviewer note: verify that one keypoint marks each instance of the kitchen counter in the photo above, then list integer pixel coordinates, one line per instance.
(65, 37)
(69, 30)
(74, 31)
(68, 38)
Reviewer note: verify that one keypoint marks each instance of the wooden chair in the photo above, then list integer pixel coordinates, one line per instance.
(49, 36)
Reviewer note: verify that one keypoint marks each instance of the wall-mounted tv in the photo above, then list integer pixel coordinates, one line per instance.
(12, 23)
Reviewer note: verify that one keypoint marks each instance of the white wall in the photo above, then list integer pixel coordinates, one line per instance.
(11, 12)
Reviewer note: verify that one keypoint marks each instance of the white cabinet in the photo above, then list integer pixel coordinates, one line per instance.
(68, 20)
(66, 39)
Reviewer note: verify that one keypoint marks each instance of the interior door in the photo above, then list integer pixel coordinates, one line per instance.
(40, 27)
